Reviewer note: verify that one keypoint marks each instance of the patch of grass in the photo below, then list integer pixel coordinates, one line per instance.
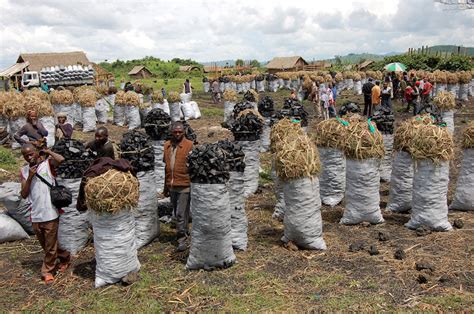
(212, 112)
(6, 157)
(326, 282)
(451, 302)
(353, 300)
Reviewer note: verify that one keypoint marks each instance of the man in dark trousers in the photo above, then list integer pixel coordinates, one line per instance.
(367, 91)
(177, 182)
(101, 145)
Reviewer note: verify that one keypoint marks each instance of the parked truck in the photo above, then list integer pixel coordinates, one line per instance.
(72, 75)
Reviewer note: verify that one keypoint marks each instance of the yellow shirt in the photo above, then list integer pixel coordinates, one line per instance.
(376, 95)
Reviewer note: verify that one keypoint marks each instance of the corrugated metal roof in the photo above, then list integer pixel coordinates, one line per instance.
(17, 67)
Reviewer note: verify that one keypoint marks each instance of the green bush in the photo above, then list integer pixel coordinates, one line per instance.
(6, 157)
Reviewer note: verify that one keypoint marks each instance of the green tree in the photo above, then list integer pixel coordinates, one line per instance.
(168, 69)
(239, 63)
(254, 64)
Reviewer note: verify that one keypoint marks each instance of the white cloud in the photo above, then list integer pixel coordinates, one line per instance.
(226, 29)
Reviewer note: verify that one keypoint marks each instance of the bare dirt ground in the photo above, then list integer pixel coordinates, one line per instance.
(268, 276)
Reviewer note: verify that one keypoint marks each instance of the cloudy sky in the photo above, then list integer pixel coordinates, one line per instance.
(221, 29)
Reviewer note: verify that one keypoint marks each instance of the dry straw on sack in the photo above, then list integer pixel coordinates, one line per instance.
(440, 77)
(348, 75)
(328, 78)
(87, 98)
(338, 77)
(230, 95)
(407, 130)
(102, 90)
(157, 97)
(362, 75)
(445, 100)
(253, 111)
(4, 98)
(464, 77)
(42, 106)
(363, 140)
(452, 78)
(330, 133)
(120, 98)
(132, 99)
(282, 129)
(36, 92)
(61, 97)
(112, 191)
(254, 94)
(15, 106)
(297, 157)
(432, 142)
(173, 97)
(357, 76)
(468, 136)
(307, 83)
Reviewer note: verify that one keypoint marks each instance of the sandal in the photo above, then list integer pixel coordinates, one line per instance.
(48, 278)
(62, 267)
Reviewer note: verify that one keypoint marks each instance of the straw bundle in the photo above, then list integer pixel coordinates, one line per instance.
(406, 131)
(87, 98)
(132, 99)
(363, 141)
(371, 74)
(330, 133)
(102, 90)
(328, 78)
(157, 97)
(445, 100)
(452, 78)
(348, 75)
(14, 107)
(468, 136)
(319, 79)
(282, 129)
(42, 106)
(297, 158)
(432, 142)
(440, 77)
(378, 75)
(464, 77)
(4, 98)
(230, 95)
(362, 75)
(307, 83)
(61, 97)
(255, 94)
(36, 92)
(338, 77)
(78, 90)
(120, 98)
(357, 76)
(112, 191)
(173, 97)
(255, 112)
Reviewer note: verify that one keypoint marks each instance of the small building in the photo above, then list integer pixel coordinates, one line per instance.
(364, 65)
(279, 64)
(140, 72)
(189, 68)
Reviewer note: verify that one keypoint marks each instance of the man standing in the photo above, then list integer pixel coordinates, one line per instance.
(33, 130)
(177, 182)
(425, 93)
(367, 91)
(375, 98)
(101, 145)
(187, 88)
(386, 96)
(216, 93)
(44, 216)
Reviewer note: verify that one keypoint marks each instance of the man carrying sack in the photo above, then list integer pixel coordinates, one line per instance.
(177, 182)
(35, 177)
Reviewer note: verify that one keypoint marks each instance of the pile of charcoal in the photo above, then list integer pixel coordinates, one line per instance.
(259, 77)
(247, 127)
(434, 111)
(384, 119)
(207, 164)
(76, 158)
(249, 96)
(266, 106)
(157, 124)
(241, 106)
(234, 155)
(271, 77)
(224, 79)
(349, 108)
(137, 148)
(294, 110)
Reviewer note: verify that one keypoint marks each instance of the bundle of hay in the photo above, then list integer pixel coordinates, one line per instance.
(157, 97)
(464, 77)
(230, 95)
(468, 136)
(173, 97)
(363, 140)
(307, 83)
(87, 98)
(331, 133)
(61, 97)
(36, 92)
(132, 99)
(371, 74)
(431, 142)
(15, 106)
(357, 76)
(297, 158)
(42, 106)
(284, 128)
(378, 75)
(362, 74)
(338, 77)
(102, 90)
(319, 79)
(120, 98)
(112, 191)
(445, 100)
(349, 75)
(328, 78)
(440, 77)
(452, 78)
(253, 111)
(4, 98)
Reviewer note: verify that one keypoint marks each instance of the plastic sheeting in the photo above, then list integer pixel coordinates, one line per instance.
(279, 210)
(77, 110)
(260, 85)
(464, 195)
(119, 115)
(454, 89)
(386, 164)
(265, 137)
(147, 226)
(101, 109)
(73, 232)
(10, 230)
(188, 110)
(15, 125)
(211, 237)
(115, 246)
(229, 112)
(206, 86)
(88, 119)
(132, 116)
(3, 121)
(197, 111)
(430, 193)
(239, 221)
(362, 192)
(358, 87)
(463, 91)
(48, 123)
(158, 147)
(302, 221)
(401, 183)
(185, 97)
(448, 117)
(175, 111)
(164, 106)
(332, 179)
(252, 165)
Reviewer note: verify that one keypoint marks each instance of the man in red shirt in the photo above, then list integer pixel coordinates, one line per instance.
(411, 94)
(425, 93)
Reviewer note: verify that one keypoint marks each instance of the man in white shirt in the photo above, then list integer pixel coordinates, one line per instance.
(44, 216)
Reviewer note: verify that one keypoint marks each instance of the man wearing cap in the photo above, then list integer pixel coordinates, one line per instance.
(63, 129)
